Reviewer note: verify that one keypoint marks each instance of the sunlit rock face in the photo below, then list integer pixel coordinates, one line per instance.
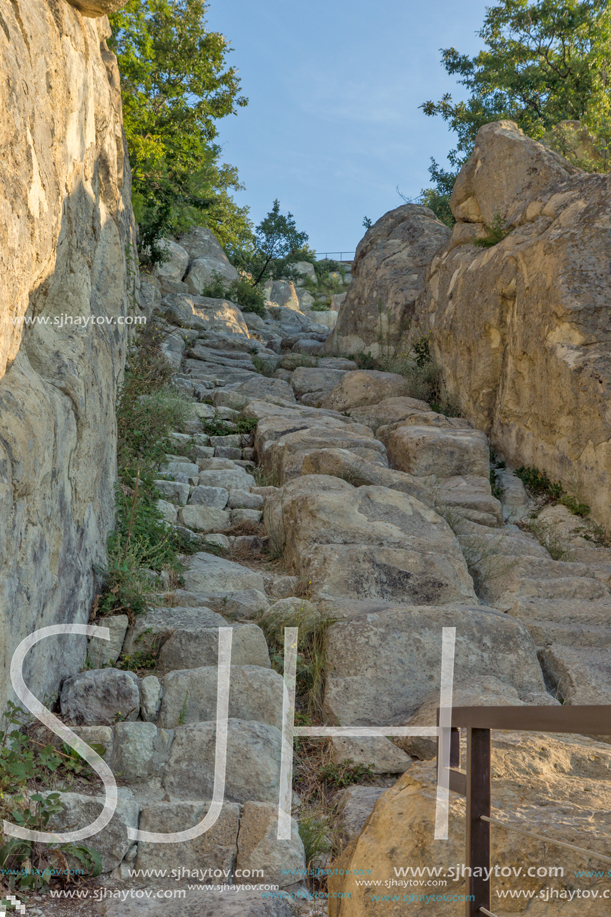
(66, 227)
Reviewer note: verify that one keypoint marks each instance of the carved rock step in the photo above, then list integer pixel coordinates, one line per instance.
(580, 675)
(570, 623)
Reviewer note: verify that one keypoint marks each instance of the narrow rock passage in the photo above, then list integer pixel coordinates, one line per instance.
(380, 513)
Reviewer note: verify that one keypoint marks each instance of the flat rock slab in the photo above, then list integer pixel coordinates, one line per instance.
(386, 663)
(253, 762)
(365, 387)
(315, 380)
(580, 675)
(208, 573)
(204, 904)
(215, 849)
(440, 451)
(152, 629)
(372, 542)
(191, 696)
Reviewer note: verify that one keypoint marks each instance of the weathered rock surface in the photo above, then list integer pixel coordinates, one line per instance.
(283, 862)
(216, 848)
(526, 321)
(100, 697)
(204, 904)
(363, 387)
(66, 224)
(533, 776)
(253, 762)
(190, 696)
(369, 542)
(388, 271)
(386, 660)
(207, 257)
(96, 8)
(112, 843)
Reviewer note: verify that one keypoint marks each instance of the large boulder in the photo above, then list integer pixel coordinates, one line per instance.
(207, 258)
(364, 387)
(521, 327)
(367, 543)
(386, 660)
(388, 276)
(549, 785)
(99, 697)
(204, 314)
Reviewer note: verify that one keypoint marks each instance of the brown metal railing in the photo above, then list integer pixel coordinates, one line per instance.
(474, 783)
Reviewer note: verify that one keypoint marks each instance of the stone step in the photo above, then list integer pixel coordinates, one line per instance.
(581, 675)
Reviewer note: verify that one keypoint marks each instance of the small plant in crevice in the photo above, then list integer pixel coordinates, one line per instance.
(538, 484)
(347, 773)
(311, 649)
(495, 232)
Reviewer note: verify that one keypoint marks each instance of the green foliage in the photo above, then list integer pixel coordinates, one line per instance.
(243, 292)
(276, 247)
(176, 86)
(314, 833)
(538, 483)
(367, 223)
(311, 650)
(27, 770)
(574, 505)
(495, 232)
(148, 410)
(135, 662)
(216, 426)
(543, 63)
(346, 774)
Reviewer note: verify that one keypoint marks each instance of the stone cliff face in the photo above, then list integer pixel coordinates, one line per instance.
(66, 228)
(523, 328)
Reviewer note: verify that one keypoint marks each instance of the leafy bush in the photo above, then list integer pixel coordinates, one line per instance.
(243, 292)
(27, 769)
(538, 483)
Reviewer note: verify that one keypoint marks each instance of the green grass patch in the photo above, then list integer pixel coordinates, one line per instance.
(148, 410)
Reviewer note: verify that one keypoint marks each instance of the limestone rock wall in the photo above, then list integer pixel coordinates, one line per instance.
(388, 275)
(66, 228)
(523, 328)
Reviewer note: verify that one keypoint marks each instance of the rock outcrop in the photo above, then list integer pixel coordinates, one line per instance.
(388, 276)
(66, 236)
(521, 328)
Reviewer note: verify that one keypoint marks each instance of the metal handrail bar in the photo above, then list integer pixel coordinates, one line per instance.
(548, 840)
(484, 911)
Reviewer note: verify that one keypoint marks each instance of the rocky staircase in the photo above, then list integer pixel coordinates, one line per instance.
(383, 513)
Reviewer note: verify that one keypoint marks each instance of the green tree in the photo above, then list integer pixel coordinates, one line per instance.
(276, 246)
(543, 63)
(176, 86)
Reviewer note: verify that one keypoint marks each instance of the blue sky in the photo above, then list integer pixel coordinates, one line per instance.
(333, 124)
